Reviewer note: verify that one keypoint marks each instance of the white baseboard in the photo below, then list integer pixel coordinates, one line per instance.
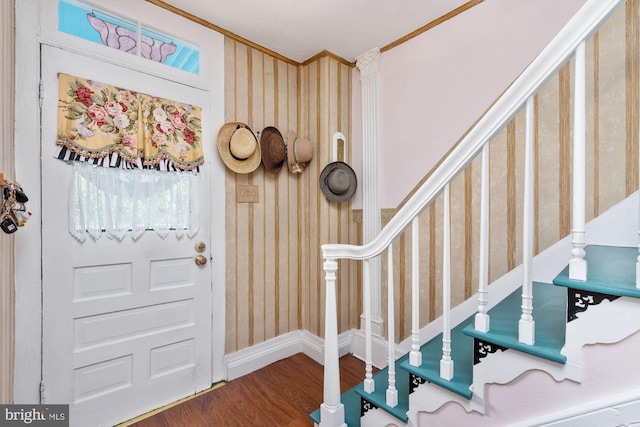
(252, 358)
(313, 346)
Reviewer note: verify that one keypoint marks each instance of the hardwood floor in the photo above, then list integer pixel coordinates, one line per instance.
(282, 394)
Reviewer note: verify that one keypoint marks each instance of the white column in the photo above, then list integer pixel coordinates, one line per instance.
(526, 326)
(577, 264)
(368, 64)
(482, 317)
(331, 410)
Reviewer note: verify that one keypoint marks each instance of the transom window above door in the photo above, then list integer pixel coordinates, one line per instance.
(99, 26)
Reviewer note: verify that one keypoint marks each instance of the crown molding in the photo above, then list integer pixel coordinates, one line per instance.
(325, 53)
(221, 30)
(432, 24)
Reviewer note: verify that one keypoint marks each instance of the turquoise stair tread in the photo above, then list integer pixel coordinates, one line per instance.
(351, 402)
(461, 354)
(379, 395)
(610, 270)
(549, 314)
(315, 416)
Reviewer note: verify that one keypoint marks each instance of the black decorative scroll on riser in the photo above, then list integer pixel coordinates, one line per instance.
(482, 349)
(579, 301)
(414, 382)
(366, 406)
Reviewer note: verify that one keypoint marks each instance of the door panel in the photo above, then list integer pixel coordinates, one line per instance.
(126, 324)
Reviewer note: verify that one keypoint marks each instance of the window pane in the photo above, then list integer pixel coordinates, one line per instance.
(185, 57)
(84, 21)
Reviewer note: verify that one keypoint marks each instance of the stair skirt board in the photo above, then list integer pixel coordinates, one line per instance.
(608, 396)
(379, 418)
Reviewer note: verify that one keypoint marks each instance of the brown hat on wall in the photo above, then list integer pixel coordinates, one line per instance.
(274, 151)
(299, 152)
(238, 147)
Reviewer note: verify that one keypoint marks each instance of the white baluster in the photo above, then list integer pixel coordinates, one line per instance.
(526, 326)
(446, 363)
(331, 410)
(482, 320)
(415, 357)
(369, 383)
(392, 392)
(578, 265)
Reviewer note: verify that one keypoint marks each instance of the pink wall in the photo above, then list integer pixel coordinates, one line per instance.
(435, 86)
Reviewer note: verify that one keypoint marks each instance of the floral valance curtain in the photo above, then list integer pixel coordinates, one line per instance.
(110, 126)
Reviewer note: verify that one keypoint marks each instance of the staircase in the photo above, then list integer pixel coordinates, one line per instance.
(569, 315)
(539, 316)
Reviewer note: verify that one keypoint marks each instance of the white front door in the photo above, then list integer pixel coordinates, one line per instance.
(126, 323)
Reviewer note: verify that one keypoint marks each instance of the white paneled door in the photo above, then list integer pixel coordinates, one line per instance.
(126, 323)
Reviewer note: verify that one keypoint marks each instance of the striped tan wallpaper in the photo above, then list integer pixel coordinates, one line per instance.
(262, 291)
(612, 173)
(274, 275)
(7, 65)
(325, 88)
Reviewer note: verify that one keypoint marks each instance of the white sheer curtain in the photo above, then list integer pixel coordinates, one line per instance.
(115, 202)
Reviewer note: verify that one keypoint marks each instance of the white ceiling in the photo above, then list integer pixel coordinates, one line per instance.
(299, 29)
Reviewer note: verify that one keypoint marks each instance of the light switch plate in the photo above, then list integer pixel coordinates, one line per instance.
(247, 193)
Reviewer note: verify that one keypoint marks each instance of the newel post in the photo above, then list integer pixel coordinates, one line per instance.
(331, 410)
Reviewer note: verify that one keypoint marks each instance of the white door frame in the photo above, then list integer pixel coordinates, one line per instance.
(31, 31)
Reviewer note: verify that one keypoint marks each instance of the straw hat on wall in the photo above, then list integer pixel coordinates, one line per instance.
(238, 147)
(299, 152)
